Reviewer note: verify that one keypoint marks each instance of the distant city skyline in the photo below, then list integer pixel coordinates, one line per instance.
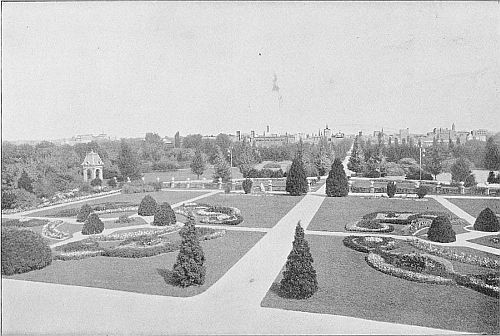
(125, 69)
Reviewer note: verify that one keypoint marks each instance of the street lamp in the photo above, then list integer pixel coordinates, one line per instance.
(230, 152)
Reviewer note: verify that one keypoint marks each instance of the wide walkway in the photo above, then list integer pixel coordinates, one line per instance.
(230, 306)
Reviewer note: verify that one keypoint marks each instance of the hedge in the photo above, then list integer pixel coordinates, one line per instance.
(147, 207)
(487, 221)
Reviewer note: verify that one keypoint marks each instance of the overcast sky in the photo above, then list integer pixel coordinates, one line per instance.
(126, 68)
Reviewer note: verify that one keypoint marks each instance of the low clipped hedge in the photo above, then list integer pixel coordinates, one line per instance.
(23, 251)
(487, 221)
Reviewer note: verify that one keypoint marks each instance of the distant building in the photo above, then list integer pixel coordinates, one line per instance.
(92, 166)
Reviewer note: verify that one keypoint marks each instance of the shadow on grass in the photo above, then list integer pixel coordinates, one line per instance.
(167, 275)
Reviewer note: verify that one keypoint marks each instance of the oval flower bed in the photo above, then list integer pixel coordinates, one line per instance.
(212, 214)
(369, 243)
(369, 225)
(139, 244)
(401, 266)
(50, 230)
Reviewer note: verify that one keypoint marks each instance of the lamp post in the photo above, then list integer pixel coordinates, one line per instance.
(230, 152)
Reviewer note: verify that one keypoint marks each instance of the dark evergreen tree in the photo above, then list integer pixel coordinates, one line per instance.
(441, 230)
(97, 182)
(84, 213)
(299, 278)
(147, 207)
(336, 182)
(164, 215)
(491, 178)
(189, 269)
(128, 162)
(487, 221)
(391, 189)
(177, 140)
(492, 155)
(296, 179)
(198, 165)
(93, 225)
(460, 170)
(25, 182)
(247, 185)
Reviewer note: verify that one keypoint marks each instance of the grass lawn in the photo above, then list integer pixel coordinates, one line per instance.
(160, 196)
(487, 241)
(113, 225)
(348, 286)
(258, 210)
(146, 275)
(336, 212)
(474, 206)
(184, 174)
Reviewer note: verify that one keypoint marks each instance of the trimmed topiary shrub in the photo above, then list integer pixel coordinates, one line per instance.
(441, 230)
(422, 191)
(299, 278)
(112, 182)
(164, 215)
(147, 207)
(487, 221)
(84, 213)
(336, 182)
(23, 251)
(247, 186)
(97, 182)
(296, 179)
(93, 225)
(391, 189)
(189, 269)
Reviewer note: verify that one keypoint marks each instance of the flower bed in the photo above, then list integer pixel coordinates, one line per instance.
(139, 233)
(50, 230)
(367, 244)
(25, 222)
(369, 225)
(487, 284)
(212, 214)
(59, 201)
(138, 244)
(417, 225)
(450, 254)
(378, 262)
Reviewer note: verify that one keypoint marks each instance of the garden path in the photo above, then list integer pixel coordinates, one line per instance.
(230, 306)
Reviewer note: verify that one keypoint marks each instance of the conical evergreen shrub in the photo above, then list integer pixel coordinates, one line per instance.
(92, 225)
(336, 182)
(296, 179)
(189, 269)
(84, 212)
(391, 189)
(441, 230)
(487, 221)
(299, 278)
(147, 207)
(164, 215)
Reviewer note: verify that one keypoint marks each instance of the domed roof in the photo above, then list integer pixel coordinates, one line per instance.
(92, 159)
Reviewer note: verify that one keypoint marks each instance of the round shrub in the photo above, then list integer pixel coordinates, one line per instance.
(23, 251)
(164, 215)
(487, 221)
(422, 191)
(391, 189)
(97, 182)
(247, 186)
(147, 207)
(441, 230)
(93, 225)
(84, 213)
(112, 182)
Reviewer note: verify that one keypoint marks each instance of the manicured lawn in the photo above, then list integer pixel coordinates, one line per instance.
(336, 212)
(112, 224)
(146, 275)
(258, 210)
(474, 206)
(487, 241)
(160, 196)
(348, 286)
(184, 174)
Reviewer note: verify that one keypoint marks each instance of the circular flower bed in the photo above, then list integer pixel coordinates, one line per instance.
(212, 214)
(50, 230)
(369, 243)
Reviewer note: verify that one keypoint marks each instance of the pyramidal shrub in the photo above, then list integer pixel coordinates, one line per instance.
(84, 212)
(441, 230)
(336, 182)
(93, 225)
(299, 278)
(296, 179)
(189, 270)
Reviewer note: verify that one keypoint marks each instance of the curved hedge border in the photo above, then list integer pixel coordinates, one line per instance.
(477, 284)
(234, 213)
(50, 230)
(378, 262)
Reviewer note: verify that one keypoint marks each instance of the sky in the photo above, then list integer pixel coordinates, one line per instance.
(128, 68)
